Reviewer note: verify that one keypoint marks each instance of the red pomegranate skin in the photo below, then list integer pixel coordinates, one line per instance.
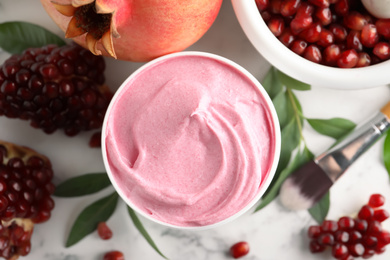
(148, 28)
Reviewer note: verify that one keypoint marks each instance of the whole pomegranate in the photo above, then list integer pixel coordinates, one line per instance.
(136, 30)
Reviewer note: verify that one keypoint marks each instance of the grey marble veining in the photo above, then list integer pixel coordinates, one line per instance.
(274, 233)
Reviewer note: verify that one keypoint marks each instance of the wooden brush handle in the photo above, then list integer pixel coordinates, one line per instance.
(386, 110)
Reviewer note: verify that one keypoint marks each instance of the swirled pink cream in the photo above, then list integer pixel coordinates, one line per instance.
(189, 140)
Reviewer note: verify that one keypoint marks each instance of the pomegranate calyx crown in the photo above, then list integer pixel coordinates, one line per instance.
(87, 17)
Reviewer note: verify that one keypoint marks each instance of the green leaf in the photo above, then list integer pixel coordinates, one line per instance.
(142, 230)
(386, 153)
(292, 83)
(290, 139)
(82, 185)
(320, 210)
(334, 127)
(89, 218)
(291, 134)
(284, 108)
(271, 83)
(300, 158)
(16, 36)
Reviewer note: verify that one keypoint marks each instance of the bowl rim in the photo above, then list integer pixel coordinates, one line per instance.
(273, 116)
(298, 67)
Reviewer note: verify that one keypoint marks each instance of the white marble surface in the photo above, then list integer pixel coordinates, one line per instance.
(274, 233)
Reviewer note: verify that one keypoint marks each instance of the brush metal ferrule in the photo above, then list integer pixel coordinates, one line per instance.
(336, 160)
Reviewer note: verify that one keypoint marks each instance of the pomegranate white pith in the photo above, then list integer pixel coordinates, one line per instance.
(138, 30)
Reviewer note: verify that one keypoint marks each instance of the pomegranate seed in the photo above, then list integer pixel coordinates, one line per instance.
(326, 239)
(379, 249)
(356, 249)
(3, 203)
(287, 37)
(326, 38)
(368, 253)
(369, 36)
(114, 255)
(66, 67)
(339, 32)
(361, 225)
(276, 25)
(376, 200)
(341, 236)
(355, 21)
(341, 7)
(331, 54)
(66, 88)
(384, 237)
(298, 46)
(239, 249)
(369, 241)
(298, 24)
(380, 215)
(346, 223)
(364, 60)
(314, 231)
(347, 59)
(266, 15)
(329, 226)
(290, 7)
(339, 250)
(313, 54)
(324, 15)
(11, 69)
(49, 71)
(382, 50)
(22, 77)
(262, 4)
(305, 9)
(383, 27)
(354, 236)
(8, 87)
(104, 231)
(275, 6)
(312, 33)
(24, 249)
(320, 3)
(374, 227)
(353, 41)
(315, 247)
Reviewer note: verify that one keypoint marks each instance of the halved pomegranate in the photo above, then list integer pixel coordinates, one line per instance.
(25, 197)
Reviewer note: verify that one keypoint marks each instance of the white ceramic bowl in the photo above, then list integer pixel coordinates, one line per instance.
(299, 68)
(274, 156)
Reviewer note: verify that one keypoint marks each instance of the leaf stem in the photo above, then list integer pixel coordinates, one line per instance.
(297, 115)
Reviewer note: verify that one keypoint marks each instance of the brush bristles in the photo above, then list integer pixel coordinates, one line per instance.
(305, 187)
(386, 110)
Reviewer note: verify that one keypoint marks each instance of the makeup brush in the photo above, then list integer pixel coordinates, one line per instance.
(307, 185)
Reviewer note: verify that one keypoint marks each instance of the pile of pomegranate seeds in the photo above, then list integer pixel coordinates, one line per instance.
(336, 33)
(348, 237)
(55, 88)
